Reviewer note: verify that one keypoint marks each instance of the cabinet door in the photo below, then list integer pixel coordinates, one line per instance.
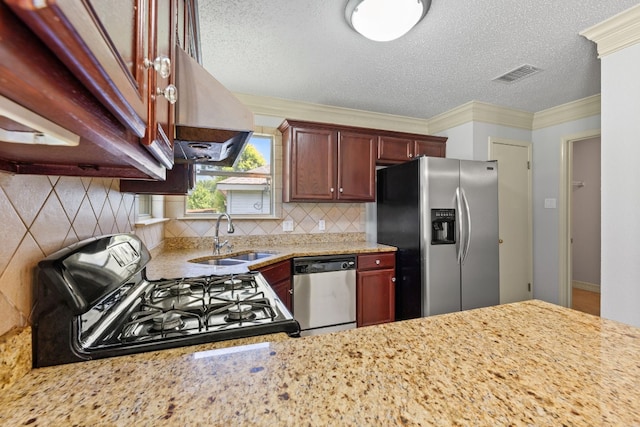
(279, 277)
(313, 164)
(394, 150)
(103, 43)
(159, 136)
(429, 148)
(283, 291)
(179, 180)
(375, 297)
(356, 167)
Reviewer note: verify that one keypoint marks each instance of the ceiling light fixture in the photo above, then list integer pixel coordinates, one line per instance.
(385, 20)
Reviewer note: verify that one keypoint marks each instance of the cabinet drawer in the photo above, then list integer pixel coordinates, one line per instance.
(277, 272)
(377, 260)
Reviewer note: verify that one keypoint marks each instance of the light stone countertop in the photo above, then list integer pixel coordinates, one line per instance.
(174, 262)
(528, 363)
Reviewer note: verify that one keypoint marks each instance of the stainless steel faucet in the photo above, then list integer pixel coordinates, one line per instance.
(216, 240)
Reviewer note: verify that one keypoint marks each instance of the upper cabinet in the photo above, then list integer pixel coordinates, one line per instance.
(333, 163)
(122, 51)
(324, 163)
(400, 148)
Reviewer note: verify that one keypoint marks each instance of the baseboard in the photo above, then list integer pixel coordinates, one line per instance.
(586, 286)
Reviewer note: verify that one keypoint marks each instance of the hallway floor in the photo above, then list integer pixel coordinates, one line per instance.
(585, 301)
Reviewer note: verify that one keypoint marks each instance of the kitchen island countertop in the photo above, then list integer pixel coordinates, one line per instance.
(528, 363)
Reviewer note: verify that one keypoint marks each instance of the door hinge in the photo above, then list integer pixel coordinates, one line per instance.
(529, 287)
(528, 165)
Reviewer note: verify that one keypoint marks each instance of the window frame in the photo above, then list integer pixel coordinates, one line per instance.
(271, 177)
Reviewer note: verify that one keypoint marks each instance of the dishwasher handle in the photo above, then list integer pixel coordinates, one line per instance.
(325, 264)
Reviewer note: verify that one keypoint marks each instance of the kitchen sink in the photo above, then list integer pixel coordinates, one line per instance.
(233, 259)
(251, 256)
(219, 261)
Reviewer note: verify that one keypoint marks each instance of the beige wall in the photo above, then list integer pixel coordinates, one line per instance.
(42, 214)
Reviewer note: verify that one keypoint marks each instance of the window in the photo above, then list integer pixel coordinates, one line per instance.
(244, 189)
(144, 206)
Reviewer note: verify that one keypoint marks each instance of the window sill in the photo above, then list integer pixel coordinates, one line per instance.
(145, 222)
(233, 217)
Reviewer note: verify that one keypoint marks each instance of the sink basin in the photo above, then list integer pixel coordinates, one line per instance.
(251, 256)
(222, 262)
(233, 259)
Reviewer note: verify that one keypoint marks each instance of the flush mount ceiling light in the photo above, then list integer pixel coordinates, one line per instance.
(385, 20)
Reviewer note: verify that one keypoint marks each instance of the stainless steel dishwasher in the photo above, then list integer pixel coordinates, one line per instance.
(324, 293)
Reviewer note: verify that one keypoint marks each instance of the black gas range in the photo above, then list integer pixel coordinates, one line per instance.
(93, 300)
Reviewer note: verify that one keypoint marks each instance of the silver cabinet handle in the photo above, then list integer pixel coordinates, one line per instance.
(170, 93)
(161, 64)
(331, 189)
(290, 291)
(340, 189)
(377, 262)
(393, 279)
(410, 155)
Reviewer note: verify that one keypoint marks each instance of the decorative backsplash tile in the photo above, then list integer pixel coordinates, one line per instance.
(338, 218)
(42, 214)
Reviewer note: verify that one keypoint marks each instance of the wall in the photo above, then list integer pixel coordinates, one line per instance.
(585, 211)
(547, 148)
(42, 214)
(459, 141)
(620, 282)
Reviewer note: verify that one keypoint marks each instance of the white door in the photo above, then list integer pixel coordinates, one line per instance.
(515, 218)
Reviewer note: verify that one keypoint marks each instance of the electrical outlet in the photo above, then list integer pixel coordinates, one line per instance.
(321, 225)
(287, 225)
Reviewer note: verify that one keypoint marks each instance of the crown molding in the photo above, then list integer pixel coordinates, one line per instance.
(288, 109)
(585, 107)
(616, 33)
(475, 111)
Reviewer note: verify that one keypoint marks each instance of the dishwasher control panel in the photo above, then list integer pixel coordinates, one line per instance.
(323, 264)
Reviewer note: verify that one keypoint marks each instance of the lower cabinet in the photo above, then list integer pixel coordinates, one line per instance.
(279, 277)
(375, 288)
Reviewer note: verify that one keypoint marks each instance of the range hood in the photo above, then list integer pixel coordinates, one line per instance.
(212, 125)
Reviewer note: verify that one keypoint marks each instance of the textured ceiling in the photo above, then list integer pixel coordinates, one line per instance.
(304, 50)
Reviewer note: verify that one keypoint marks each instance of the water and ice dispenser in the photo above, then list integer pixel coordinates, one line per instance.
(443, 226)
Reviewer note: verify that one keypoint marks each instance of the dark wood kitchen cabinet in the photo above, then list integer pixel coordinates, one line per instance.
(326, 163)
(90, 67)
(375, 288)
(122, 51)
(279, 277)
(400, 148)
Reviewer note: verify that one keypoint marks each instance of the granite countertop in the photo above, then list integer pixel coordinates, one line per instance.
(174, 262)
(528, 363)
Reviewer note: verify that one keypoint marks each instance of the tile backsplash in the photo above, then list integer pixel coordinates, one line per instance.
(338, 218)
(41, 214)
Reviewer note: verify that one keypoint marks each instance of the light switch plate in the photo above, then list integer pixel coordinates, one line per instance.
(549, 203)
(321, 225)
(287, 225)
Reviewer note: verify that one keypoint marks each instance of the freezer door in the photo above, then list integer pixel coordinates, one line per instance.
(480, 266)
(441, 272)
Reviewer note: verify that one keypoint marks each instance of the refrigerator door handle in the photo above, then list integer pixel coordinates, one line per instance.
(459, 221)
(468, 233)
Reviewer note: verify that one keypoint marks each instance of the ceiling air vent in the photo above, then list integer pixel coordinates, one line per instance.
(517, 74)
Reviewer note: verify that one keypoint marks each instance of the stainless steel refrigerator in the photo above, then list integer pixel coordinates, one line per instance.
(442, 215)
